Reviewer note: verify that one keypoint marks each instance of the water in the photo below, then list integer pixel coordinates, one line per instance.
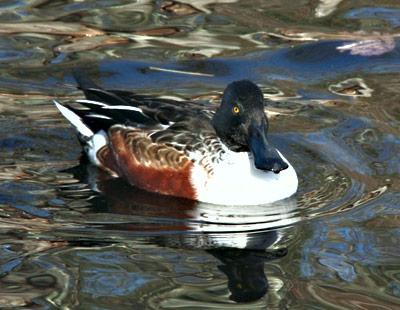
(331, 72)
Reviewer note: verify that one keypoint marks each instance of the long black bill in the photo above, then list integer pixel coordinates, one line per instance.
(266, 156)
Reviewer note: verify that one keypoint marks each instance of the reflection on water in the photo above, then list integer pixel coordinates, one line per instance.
(245, 271)
(72, 237)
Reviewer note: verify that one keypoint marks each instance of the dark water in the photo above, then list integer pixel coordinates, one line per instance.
(331, 70)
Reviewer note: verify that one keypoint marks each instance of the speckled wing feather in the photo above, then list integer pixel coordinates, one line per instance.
(145, 151)
(195, 139)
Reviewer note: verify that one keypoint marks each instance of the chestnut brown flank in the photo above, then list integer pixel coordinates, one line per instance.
(156, 168)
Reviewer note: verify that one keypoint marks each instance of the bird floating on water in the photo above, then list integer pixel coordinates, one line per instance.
(184, 148)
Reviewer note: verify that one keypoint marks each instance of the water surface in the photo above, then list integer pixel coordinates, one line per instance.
(72, 237)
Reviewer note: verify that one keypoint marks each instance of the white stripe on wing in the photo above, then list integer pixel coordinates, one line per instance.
(122, 107)
(91, 102)
(98, 116)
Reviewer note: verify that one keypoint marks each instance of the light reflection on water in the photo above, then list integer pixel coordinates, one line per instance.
(72, 237)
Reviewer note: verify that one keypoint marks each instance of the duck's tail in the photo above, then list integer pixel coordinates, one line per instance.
(91, 141)
(95, 115)
(84, 131)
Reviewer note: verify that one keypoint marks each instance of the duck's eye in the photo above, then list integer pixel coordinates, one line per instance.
(235, 109)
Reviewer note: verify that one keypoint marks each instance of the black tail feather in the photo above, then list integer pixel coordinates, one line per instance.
(101, 95)
(84, 82)
(97, 124)
(94, 92)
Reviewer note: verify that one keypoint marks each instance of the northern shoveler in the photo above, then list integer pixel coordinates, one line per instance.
(183, 148)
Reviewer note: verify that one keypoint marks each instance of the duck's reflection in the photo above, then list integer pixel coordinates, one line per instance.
(241, 238)
(245, 271)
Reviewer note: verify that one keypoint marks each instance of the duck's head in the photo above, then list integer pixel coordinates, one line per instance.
(242, 125)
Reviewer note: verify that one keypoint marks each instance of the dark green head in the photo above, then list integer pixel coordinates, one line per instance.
(242, 125)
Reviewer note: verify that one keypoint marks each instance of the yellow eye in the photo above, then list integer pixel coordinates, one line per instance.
(236, 109)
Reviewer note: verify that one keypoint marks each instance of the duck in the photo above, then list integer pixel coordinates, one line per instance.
(192, 150)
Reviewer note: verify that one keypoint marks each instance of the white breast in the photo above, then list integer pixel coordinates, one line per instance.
(236, 181)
